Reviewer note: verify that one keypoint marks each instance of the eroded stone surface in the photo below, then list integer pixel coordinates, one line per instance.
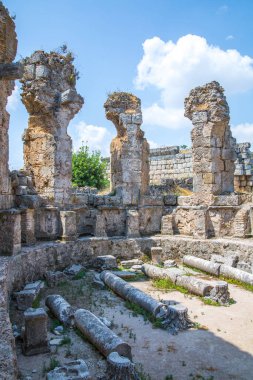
(213, 148)
(129, 149)
(50, 97)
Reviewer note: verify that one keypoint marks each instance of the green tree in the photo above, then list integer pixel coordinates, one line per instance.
(88, 169)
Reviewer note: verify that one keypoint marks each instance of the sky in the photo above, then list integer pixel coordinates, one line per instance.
(157, 49)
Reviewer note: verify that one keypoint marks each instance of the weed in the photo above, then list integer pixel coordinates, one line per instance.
(168, 377)
(54, 323)
(208, 301)
(52, 365)
(243, 285)
(80, 275)
(142, 375)
(198, 326)
(36, 302)
(138, 310)
(65, 340)
(166, 284)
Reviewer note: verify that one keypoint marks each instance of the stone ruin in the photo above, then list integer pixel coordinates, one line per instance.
(50, 97)
(213, 148)
(46, 225)
(129, 149)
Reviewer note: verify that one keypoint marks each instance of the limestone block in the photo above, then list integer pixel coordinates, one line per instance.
(105, 262)
(28, 226)
(55, 278)
(68, 225)
(42, 72)
(129, 263)
(35, 334)
(27, 296)
(75, 370)
(209, 178)
(170, 200)
(156, 255)
(132, 223)
(10, 232)
(68, 96)
(29, 72)
(47, 223)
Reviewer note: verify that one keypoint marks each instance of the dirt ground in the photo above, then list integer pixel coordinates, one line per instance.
(222, 350)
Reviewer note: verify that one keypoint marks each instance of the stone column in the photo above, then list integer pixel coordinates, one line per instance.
(129, 149)
(50, 97)
(213, 147)
(8, 48)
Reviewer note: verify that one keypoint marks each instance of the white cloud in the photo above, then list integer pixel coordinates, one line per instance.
(243, 132)
(153, 144)
(97, 138)
(230, 37)
(175, 68)
(13, 99)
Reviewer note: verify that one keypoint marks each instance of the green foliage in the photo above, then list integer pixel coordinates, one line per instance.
(210, 302)
(52, 365)
(166, 284)
(88, 169)
(80, 275)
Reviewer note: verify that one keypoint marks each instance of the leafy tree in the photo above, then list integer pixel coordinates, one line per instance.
(88, 169)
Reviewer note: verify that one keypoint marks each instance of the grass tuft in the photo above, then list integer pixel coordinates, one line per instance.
(80, 275)
(166, 284)
(138, 310)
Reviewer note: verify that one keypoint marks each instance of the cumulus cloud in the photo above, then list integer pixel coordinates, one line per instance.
(174, 68)
(243, 132)
(97, 138)
(13, 99)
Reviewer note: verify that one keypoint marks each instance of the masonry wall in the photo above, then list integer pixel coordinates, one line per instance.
(171, 163)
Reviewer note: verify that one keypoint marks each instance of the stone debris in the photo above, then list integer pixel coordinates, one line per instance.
(73, 270)
(230, 260)
(126, 264)
(169, 263)
(60, 308)
(104, 339)
(27, 296)
(173, 318)
(59, 330)
(97, 282)
(55, 278)
(120, 368)
(105, 262)
(129, 150)
(55, 341)
(35, 332)
(106, 322)
(75, 370)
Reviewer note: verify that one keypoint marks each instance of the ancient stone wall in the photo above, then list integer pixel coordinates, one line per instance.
(129, 149)
(50, 97)
(213, 148)
(171, 163)
(8, 48)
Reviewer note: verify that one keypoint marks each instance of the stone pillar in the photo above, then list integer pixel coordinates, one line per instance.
(68, 225)
(28, 226)
(132, 223)
(129, 149)
(35, 334)
(213, 147)
(50, 97)
(8, 48)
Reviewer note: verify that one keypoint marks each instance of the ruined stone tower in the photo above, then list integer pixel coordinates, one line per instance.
(213, 148)
(129, 149)
(50, 97)
(8, 48)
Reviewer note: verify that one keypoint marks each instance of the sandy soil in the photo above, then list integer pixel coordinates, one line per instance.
(222, 351)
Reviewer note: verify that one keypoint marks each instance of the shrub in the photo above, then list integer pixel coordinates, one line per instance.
(88, 169)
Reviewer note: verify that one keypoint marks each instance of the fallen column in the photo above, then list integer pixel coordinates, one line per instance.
(237, 274)
(60, 308)
(205, 265)
(120, 368)
(173, 317)
(219, 269)
(104, 339)
(215, 290)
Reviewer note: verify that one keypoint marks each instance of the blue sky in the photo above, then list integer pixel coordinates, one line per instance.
(157, 49)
